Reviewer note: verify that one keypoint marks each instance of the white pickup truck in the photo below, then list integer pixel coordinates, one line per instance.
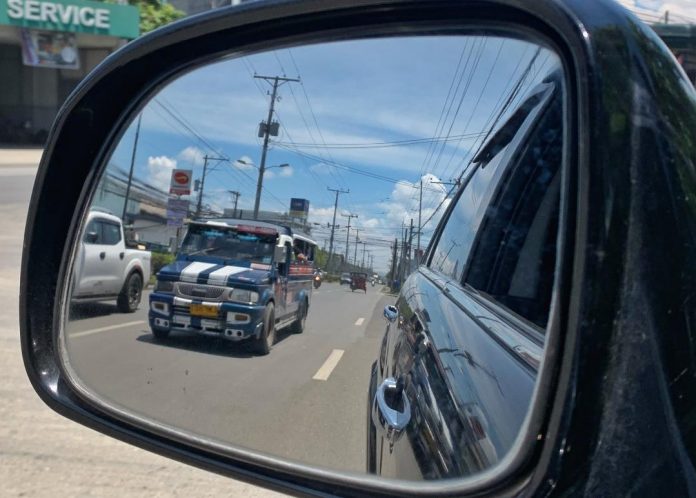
(105, 268)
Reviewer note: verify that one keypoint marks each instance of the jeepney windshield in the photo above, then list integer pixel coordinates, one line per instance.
(253, 244)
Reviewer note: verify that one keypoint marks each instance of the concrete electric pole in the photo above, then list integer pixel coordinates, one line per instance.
(267, 129)
(349, 216)
(333, 224)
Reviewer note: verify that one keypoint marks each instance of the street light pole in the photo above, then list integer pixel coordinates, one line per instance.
(132, 164)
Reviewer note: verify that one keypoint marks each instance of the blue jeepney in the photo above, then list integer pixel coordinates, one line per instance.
(235, 279)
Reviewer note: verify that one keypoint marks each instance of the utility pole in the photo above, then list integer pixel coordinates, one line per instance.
(420, 208)
(363, 260)
(392, 274)
(349, 216)
(236, 198)
(355, 252)
(206, 158)
(132, 165)
(277, 81)
(333, 224)
(410, 246)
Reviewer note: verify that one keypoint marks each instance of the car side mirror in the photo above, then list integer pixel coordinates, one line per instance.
(91, 237)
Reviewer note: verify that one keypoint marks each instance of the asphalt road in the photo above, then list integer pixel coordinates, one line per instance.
(43, 454)
(304, 401)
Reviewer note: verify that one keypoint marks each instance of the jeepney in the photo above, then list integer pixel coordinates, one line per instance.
(235, 279)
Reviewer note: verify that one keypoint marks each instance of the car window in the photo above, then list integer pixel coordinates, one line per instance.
(513, 258)
(451, 252)
(111, 233)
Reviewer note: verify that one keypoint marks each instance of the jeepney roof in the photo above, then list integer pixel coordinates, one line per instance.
(232, 223)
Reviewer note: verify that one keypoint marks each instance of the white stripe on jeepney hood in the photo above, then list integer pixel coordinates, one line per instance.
(190, 273)
(219, 277)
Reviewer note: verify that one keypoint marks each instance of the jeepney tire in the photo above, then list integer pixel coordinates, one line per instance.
(131, 293)
(264, 343)
(160, 334)
(298, 325)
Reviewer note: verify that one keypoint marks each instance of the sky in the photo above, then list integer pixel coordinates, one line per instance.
(374, 117)
(680, 11)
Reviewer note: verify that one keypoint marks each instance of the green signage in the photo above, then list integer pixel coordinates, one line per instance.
(77, 16)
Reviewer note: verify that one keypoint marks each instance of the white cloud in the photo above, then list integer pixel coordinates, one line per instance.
(192, 155)
(160, 171)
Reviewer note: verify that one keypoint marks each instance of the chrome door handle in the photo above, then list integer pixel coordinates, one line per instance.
(387, 420)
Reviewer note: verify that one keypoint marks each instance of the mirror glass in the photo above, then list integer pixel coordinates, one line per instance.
(261, 263)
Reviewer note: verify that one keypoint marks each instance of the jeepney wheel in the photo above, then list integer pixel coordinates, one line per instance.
(129, 298)
(263, 344)
(298, 325)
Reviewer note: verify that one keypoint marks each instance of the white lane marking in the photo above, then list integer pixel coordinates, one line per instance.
(18, 171)
(105, 329)
(329, 365)
(190, 273)
(359, 321)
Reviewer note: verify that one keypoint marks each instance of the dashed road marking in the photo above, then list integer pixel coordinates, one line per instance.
(329, 365)
(359, 321)
(105, 329)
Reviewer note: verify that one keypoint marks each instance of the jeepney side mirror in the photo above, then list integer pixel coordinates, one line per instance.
(280, 256)
(91, 237)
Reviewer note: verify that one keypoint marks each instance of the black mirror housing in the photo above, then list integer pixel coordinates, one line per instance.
(591, 40)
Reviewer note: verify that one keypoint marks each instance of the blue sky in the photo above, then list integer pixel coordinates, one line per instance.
(343, 126)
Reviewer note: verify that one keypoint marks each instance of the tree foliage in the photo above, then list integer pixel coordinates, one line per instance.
(154, 13)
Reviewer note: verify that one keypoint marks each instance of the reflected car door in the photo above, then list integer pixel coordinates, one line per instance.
(463, 354)
(93, 280)
(114, 262)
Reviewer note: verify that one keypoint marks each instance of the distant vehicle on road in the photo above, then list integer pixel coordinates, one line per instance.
(235, 279)
(105, 268)
(358, 281)
(345, 278)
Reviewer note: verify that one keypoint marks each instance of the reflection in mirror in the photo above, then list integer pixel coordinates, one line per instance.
(262, 216)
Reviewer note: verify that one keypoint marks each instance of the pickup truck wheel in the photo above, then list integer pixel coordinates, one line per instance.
(298, 325)
(263, 344)
(129, 298)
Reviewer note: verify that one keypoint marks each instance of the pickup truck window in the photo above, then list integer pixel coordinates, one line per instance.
(451, 252)
(111, 233)
(513, 259)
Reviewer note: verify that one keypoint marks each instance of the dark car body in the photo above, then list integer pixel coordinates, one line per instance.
(614, 407)
(463, 345)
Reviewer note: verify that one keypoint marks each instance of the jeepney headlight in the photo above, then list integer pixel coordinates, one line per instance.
(164, 286)
(242, 296)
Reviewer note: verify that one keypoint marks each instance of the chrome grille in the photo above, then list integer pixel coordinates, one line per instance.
(180, 310)
(199, 291)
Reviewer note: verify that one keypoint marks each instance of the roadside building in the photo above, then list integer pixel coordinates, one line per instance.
(46, 48)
